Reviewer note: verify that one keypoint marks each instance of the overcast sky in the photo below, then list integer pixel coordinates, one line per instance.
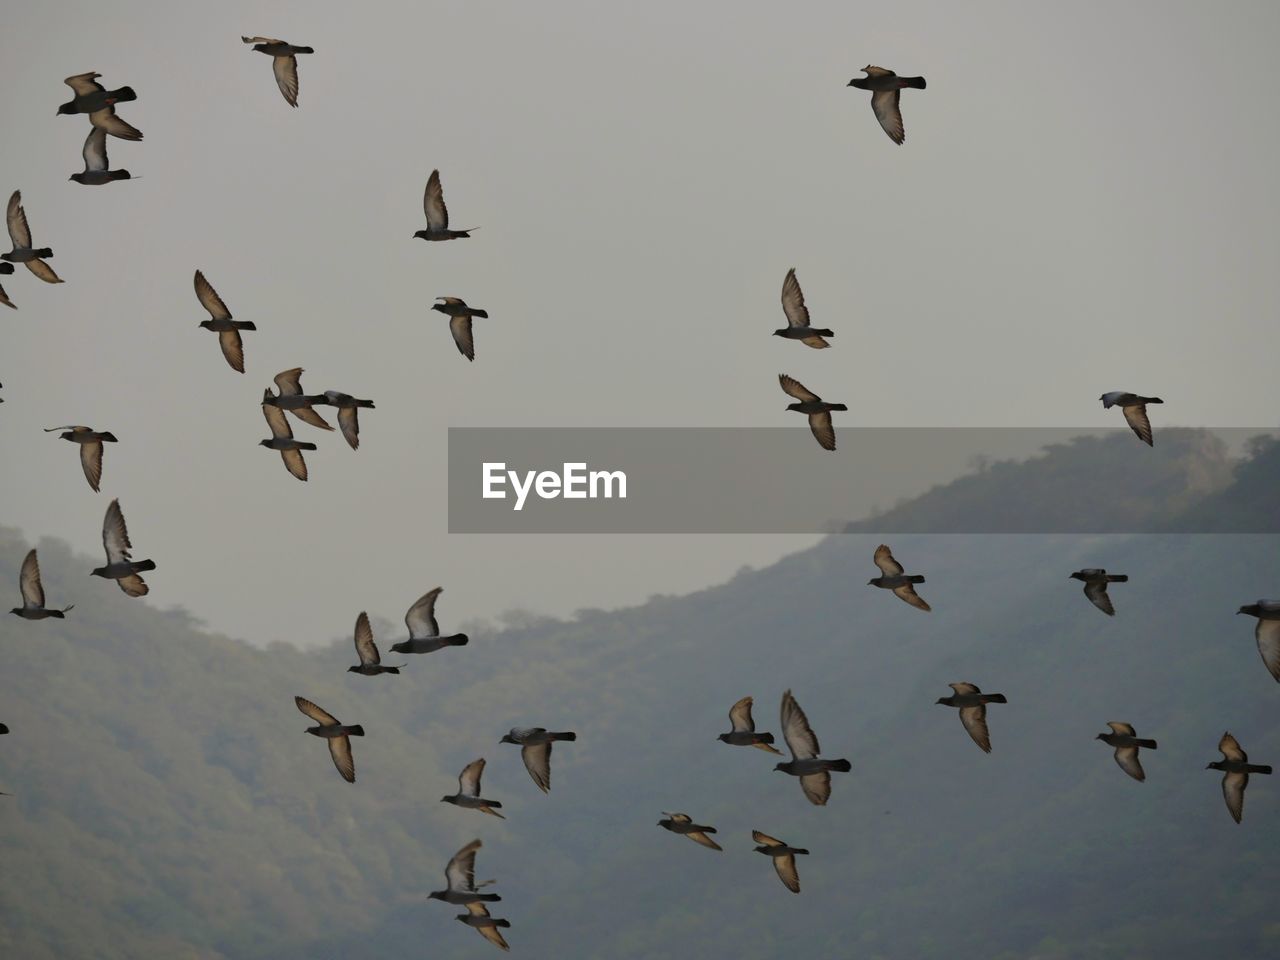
(1085, 202)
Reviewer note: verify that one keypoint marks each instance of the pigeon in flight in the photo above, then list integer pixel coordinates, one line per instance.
(424, 631)
(96, 165)
(683, 823)
(228, 330)
(535, 751)
(1135, 411)
(814, 773)
(348, 417)
(477, 917)
(460, 880)
(120, 567)
(784, 858)
(886, 89)
(1127, 743)
(367, 651)
(468, 794)
(282, 438)
(893, 577)
(1095, 587)
(460, 315)
(744, 733)
(818, 410)
(99, 104)
(798, 327)
(33, 607)
(290, 397)
(1267, 632)
(973, 710)
(438, 213)
(284, 64)
(90, 441)
(338, 734)
(6, 267)
(20, 235)
(1236, 768)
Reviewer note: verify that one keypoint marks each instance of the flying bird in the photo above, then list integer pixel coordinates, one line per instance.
(886, 90)
(33, 607)
(460, 315)
(784, 858)
(814, 772)
(91, 442)
(468, 795)
(96, 166)
(1127, 742)
(120, 567)
(1095, 587)
(477, 917)
(1267, 633)
(438, 213)
(744, 733)
(282, 439)
(6, 267)
(1135, 411)
(348, 417)
(798, 327)
(338, 734)
(367, 651)
(20, 235)
(460, 879)
(99, 103)
(1236, 768)
(535, 751)
(290, 397)
(894, 577)
(683, 824)
(973, 710)
(220, 322)
(424, 631)
(284, 63)
(817, 409)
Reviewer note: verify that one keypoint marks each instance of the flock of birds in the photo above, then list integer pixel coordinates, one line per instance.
(806, 764)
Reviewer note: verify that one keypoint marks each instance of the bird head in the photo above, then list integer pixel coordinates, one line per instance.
(1101, 736)
(449, 799)
(100, 572)
(435, 895)
(68, 107)
(1216, 765)
(723, 738)
(422, 234)
(794, 406)
(260, 47)
(780, 766)
(1076, 576)
(353, 669)
(207, 324)
(507, 738)
(17, 610)
(871, 582)
(1249, 608)
(264, 443)
(942, 701)
(438, 306)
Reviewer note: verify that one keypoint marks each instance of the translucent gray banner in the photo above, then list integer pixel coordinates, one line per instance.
(934, 480)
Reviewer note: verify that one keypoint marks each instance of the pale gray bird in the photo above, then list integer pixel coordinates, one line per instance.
(468, 795)
(744, 733)
(120, 567)
(535, 751)
(886, 90)
(1236, 768)
(221, 323)
(20, 236)
(370, 660)
(1127, 742)
(894, 577)
(284, 63)
(814, 772)
(337, 734)
(784, 858)
(99, 103)
(477, 917)
(91, 442)
(290, 397)
(460, 315)
(282, 439)
(1095, 587)
(1134, 408)
(460, 879)
(348, 418)
(424, 631)
(798, 327)
(817, 409)
(972, 703)
(96, 166)
(33, 607)
(1267, 633)
(438, 214)
(683, 824)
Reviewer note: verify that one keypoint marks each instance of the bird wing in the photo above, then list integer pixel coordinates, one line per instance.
(95, 150)
(115, 535)
(1124, 729)
(1231, 749)
(4, 298)
(1136, 416)
(1096, 591)
(421, 617)
(91, 461)
(84, 83)
(1267, 633)
(209, 299)
(42, 270)
(765, 840)
(460, 874)
(964, 687)
(817, 787)
(232, 349)
(16, 220)
(349, 422)
(975, 721)
(489, 931)
(133, 586)
(800, 738)
(1233, 785)
(699, 837)
(469, 779)
(276, 420)
(907, 592)
(794, 388)
(309, 416)
(366, 649)
(29, 582)
(433, 204)
(872, 71)
(679, 817)
(815, 341)
(460, 327)
(1127, 757)
(107, 120)
(823, 431)
(245, 39)
(786, 867)
(289, 382)
(883, 559)
(322, 717)
(340, 750)
(294, 463)
(740, 715)
(286, 70)
(537, 760)
(793, 301)
(885, 105)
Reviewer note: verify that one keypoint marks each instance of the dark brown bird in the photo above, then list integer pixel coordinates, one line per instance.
(973, 710)
(33, 607)
(337, 734)
(784, 858)
(894, 577)
(886, 90)
(683, 824)
(284, 64)
(813, 406)
(221, 323)
(798, 326)
(813, 771)
(1095, 587)
(92, 98)
(370, 660)
(1236, 768)
(744, 733)
(1126, 741)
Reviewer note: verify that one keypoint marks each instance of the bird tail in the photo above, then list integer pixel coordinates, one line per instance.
(457, 640)
(307, 446)
(501, 923)
(800, 850)
(69, 606)
(480, 313)
(823, 333)
(355, 730)
(1153, 400)
(490, 898)
(708, 829)
(1258, 768)
(917, 82)
(568, 735)
(122, 175)
(108, 437)
(395, 670)
(123, 95)
(841, 766)
(1117, 578)
(303, 50)
(764, 738)
(56, 613)
(43, 252)
(1146, 744)
(994, 698)
(916, 578)
(142, 565)
(365, 403)
(836, 406)
(245, 325)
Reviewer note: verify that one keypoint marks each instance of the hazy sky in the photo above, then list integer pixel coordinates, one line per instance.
(1085, 202)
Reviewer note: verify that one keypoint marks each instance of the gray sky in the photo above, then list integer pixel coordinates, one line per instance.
(1076, 209)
